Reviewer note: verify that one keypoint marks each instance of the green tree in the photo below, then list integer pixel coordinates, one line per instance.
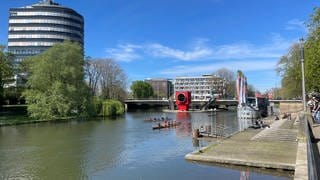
(6, 70)
(13, 95)
(312, 53)
(289, 68)
(106, 78)
(230, 79)
(112, 108)
(56, 86)
(141, 89)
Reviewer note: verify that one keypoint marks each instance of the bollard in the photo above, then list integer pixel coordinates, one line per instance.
(195, 133)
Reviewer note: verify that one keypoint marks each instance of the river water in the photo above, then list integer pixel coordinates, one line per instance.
(122, 148)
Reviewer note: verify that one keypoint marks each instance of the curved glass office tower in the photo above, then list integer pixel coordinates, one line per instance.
(35, 28)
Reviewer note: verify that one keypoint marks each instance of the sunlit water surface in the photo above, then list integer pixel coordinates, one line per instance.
(122, 148)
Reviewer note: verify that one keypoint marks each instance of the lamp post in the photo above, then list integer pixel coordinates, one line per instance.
(302, 70)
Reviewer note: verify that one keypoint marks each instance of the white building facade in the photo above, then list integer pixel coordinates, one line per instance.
(202, 87)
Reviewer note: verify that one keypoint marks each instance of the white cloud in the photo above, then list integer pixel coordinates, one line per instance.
(296, 24)
(205, 68)
(201, 50)
(274, 49)
(158, 50)
(202, 57)
(124, 52)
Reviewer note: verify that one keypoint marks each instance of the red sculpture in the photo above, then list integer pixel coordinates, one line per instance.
(183, 100)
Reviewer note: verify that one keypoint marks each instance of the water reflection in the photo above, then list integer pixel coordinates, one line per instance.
(39, 151)
(125, 148)
(244, 175)
(185, 128)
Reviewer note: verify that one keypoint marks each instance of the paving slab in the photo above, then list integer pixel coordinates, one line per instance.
(301, 170)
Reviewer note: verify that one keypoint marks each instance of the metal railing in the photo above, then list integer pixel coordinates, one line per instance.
(311, 153)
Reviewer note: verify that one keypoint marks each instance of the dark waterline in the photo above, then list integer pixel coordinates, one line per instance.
(123, 148)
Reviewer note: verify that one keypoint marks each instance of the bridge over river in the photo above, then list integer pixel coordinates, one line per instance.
(195, 104)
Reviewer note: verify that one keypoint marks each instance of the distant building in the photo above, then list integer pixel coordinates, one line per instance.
(161, 87)
(35, 28)
(201, 87)
(17, 80)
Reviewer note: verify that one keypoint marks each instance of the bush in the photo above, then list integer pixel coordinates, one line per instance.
(112, 108)
(97, 106)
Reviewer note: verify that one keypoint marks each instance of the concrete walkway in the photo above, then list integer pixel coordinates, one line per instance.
(275, 147)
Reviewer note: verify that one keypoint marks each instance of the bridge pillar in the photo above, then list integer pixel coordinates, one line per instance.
(126, 107)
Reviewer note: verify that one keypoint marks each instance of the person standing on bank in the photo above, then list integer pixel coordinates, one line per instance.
(315, 112)
(311, 103)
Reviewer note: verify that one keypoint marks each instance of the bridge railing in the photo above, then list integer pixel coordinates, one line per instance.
(204, 100)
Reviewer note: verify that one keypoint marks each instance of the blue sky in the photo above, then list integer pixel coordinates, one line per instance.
(169, 38)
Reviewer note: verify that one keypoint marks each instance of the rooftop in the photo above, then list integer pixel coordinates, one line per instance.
(47, 2)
